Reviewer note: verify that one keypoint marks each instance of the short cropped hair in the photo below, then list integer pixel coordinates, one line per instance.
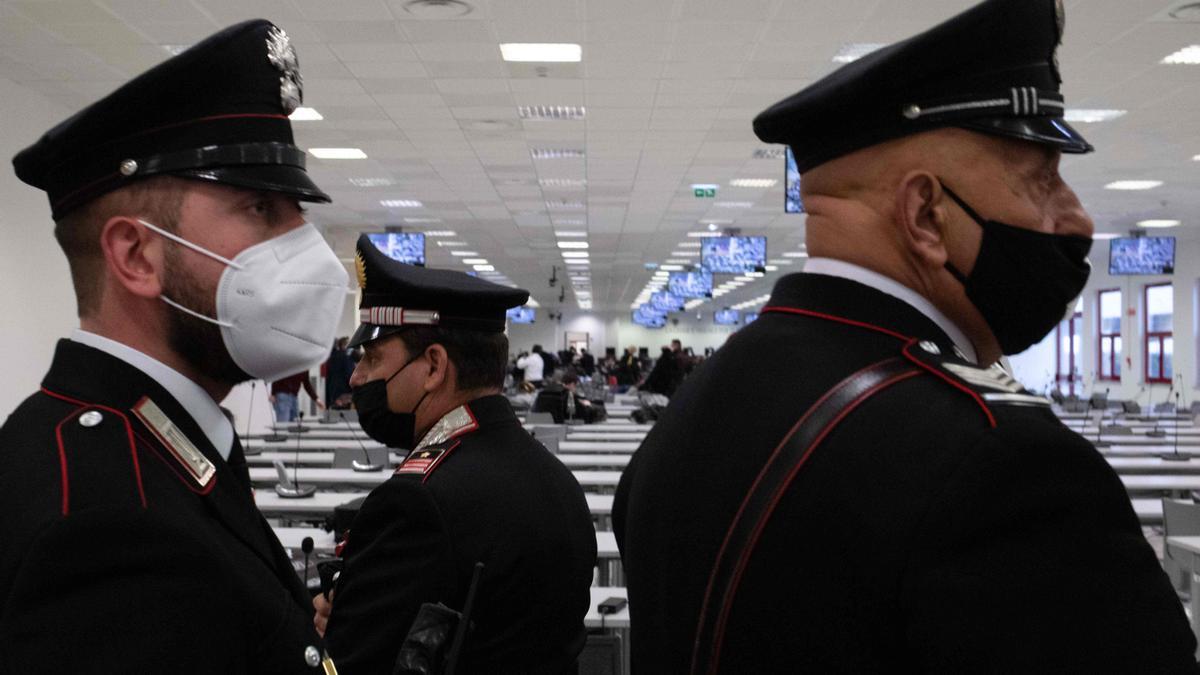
(480, 358)
(157, 199)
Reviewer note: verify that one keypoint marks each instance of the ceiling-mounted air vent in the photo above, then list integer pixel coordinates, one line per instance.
(438, 9)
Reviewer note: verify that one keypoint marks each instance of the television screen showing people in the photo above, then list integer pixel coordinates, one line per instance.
(648, 317)
(725, 317)
(791, 185)
(694, 284)
(1142, 255)
(664, 301)
(521, 314)
(733, 255)
(405, 247)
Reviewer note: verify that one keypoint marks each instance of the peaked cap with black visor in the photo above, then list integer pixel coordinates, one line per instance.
(991, 69)
(216, 112)
(396, 295)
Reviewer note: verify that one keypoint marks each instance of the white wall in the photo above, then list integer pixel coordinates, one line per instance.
(36, 298)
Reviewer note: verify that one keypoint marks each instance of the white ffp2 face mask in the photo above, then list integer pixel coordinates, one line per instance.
(278, 302)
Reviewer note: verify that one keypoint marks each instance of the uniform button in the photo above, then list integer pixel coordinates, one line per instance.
(312, 657)
(90, 419)
(930, 347)
(912, 111)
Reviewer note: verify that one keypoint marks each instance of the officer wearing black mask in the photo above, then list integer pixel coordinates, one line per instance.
(852, 483)
(475, 487)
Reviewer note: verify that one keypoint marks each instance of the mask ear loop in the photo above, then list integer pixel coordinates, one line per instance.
(962, 278)
(195, 247)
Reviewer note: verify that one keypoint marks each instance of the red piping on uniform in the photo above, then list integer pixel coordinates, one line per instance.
(137, 468)
(754, 486)
(966, 390)
(838, 319)
(444, 455)
(744, 558)
(62, 462)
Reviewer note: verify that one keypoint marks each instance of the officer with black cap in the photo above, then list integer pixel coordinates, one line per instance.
(131, 538)
(476, 487)
(895, 501)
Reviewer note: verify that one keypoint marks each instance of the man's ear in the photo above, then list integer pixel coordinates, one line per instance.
(439, 367)
(133, 256)
(922, 216)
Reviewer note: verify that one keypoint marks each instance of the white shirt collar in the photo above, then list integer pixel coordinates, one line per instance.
(840, 268)
(191, 396)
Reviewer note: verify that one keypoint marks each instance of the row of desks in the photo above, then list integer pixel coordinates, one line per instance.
(266, 476)
(601, 461)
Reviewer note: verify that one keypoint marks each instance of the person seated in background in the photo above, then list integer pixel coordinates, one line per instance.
(285, 396)
(562, 400)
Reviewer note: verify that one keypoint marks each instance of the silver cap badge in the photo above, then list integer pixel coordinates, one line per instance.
(282, 55)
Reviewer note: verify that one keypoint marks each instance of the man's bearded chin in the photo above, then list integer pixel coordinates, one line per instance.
(198, 343)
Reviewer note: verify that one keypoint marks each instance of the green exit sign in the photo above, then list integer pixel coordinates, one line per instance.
(704, 191)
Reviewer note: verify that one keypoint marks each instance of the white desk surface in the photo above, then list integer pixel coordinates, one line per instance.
(627, 447)
(1189, 544)
(1161, 483)
(1136, 465)
(323, 503)
(606, 436)
(261, 475)
(293, 537)
(1149, 511)
(1123, 449)
(606, 461)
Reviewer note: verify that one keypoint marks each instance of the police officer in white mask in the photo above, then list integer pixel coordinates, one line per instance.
(131, 541)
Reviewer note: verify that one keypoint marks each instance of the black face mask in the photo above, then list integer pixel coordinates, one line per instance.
(1023, 281)
(395, 430)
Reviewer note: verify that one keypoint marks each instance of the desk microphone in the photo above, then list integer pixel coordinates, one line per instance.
(306, 545)
(247, 450)
(293, 490)
(1100, 423)
(366, 464)
(1156, 432)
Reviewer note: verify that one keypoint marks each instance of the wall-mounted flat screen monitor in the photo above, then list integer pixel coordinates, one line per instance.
(725, 317)
(666, 302)
(522, 314)
(406, 247)
(694, 284)
(733, 255)
(750, 318)
(647, 317)
(1141, 255)
(791, 185)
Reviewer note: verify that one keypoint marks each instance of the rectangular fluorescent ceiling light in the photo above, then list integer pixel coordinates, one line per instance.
(561, 182)
(570, 233)
(687, 244)
(1087, 115)
(439, 233)
(371, 182)
(704, 234)
(1157, 223)
(1104, 236)
(569, 221)
(572, 244)
(753, 182)
(532, 303)
(778, 261)
(578, 263)
(451, 244)
(556, 153)
(769, 153)
(422, 220)
(401, 203)
(674, 261)
(734, 205)
(541, 52)
(705, 186)
(1133, 185)
(671, 268)
(795, 254)
(686, 254)
(337, 153)
(1188, 56)
(854, 51)
(564, 204)
(551, 112)
(575, 254)
(463, 253)
(475, 261)
(305, 115)
(485, 268)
